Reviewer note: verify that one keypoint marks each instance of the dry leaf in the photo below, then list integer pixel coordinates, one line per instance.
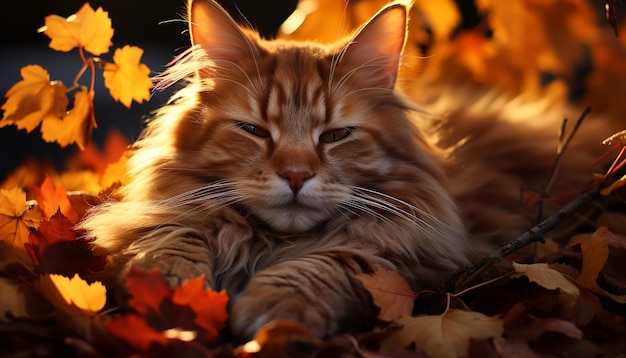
(547, 277)
(87, 28)
(17, 216)
(445, 335)
(128, 79)
(56, 248)
(595, 253)
(209, 306)
(390, 292)
(75, 126)
(34, 99)
(73, 296)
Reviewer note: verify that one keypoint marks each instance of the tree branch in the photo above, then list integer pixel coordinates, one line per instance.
(534, 234)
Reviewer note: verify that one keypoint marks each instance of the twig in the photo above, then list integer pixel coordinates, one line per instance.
(534, 234)
(564, 142)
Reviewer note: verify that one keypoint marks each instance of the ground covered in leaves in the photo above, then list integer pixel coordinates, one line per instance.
(562, 299)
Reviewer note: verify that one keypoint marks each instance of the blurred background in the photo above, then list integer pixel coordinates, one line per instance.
(510, 55)
(154, 25)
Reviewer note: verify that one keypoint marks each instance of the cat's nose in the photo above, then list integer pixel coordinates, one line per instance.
(296, 178)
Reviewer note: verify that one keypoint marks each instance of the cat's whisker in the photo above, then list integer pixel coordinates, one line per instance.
(414, 214)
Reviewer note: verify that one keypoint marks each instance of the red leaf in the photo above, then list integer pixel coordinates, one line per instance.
(148, 290)
(55, 248)
(135, 331)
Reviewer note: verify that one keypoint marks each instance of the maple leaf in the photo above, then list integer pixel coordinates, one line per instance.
(17, 216)
(33, 99)
(390, 292)
(188, 312)
(52, 197)
(135, 331)
(127, 79)
(209, 306)
(75, 126)
(445, 335)
(87, 28)
(56, 248)
(74, 296)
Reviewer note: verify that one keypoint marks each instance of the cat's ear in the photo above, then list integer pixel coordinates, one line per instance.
(213, 29)
(377, 46)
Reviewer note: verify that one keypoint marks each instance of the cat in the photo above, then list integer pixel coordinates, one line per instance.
(282, 170)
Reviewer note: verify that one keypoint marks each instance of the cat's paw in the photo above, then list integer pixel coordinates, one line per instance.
(265, 304)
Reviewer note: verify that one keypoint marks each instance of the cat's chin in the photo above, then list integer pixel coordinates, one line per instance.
(293, 219)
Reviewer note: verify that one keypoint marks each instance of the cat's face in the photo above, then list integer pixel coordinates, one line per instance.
(298, 133)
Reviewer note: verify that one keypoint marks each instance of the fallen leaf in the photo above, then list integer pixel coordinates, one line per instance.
(75, 126)
(445, 335)
(390, 292)
(87, 28)
(127, 78)
(209, 306)
(135, 331)
(280, 338)
(74, 296)
(56, 248)
(52, 197)
(172, 313)
(17, 217)
(595, 253)
(546, 277)
(34, 99)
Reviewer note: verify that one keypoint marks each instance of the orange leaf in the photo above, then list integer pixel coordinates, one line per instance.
(127, 79)
(595, 253)
(76, 125)
(33, 99)
(209, 306)
(87, 28)
(52, 198)
(390, 292)
(16, 217)
(115, 173)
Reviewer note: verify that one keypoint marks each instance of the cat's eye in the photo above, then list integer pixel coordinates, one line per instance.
(335, 135)
(254, 130)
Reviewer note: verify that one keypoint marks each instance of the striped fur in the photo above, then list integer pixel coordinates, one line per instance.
(209, 196)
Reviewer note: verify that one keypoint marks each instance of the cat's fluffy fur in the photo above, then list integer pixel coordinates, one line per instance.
(282, 170)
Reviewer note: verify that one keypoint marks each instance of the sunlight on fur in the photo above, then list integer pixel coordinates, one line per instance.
(285, 168)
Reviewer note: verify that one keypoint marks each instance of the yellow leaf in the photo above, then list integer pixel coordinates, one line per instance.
(87, 28)
(127, 79)
(75, 126)
(16, 217)
(33, 99)
(74, 296)
(445, 335)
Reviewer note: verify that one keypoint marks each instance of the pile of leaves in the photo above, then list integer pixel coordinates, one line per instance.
(568, 299)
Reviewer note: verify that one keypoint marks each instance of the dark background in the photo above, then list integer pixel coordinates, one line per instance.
(157, 26)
